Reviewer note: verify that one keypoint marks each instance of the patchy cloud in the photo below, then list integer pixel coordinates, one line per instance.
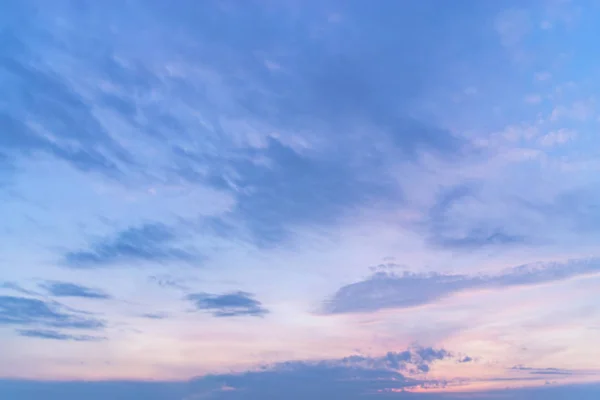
(232, 304)
(65, 289)
(147, 243)
(56, 335)
(390, 290)
(22, 311)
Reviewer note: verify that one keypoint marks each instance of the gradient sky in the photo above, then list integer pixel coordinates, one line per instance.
(299, 199)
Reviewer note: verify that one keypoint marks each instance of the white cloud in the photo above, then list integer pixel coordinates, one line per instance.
(560, 136)
(543, 76)
(533, 99)
(512, 26)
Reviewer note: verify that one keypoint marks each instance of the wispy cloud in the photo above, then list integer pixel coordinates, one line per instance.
(22, 311)
(56, 335)
(41, 110)
(147, 243)
(448, 227)
(155, 315)
(66, 289)
(232, 304)
(16, 287)
(389, 290)
(542, 371)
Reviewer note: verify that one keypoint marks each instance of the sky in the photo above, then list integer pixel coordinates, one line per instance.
(299, 199)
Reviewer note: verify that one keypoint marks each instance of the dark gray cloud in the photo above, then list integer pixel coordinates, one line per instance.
(66, 289)
(146, 243)
(390, 290)
(22, 311)
(56, 335)
(229, 304)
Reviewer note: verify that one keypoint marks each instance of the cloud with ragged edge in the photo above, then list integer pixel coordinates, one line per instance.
(147, 243)
(233, 304)
(67, 289)
(349, 377)
(390, 290)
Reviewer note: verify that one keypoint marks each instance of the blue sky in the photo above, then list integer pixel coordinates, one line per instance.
(257, 199)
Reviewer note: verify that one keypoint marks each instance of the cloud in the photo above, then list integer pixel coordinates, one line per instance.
(146, 243)
(450, 222)
(22, 311)
(65, 289)
(558, 137)
(229, 304)
(294, 189)
(533, 99)
(542, 76)
(388, 290)
(581, 110)
(55, 335)
(349, 377)
(542, 371)
(44, 114)
(16, 287)
(155, 315)
(168, 281)
(512, 26)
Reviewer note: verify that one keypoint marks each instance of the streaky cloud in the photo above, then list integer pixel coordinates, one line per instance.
(56, 335)
(390, 290)
(152, 242)
(66, 289)
(23, 311)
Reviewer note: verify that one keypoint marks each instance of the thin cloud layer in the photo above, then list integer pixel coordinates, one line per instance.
(389, 290)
